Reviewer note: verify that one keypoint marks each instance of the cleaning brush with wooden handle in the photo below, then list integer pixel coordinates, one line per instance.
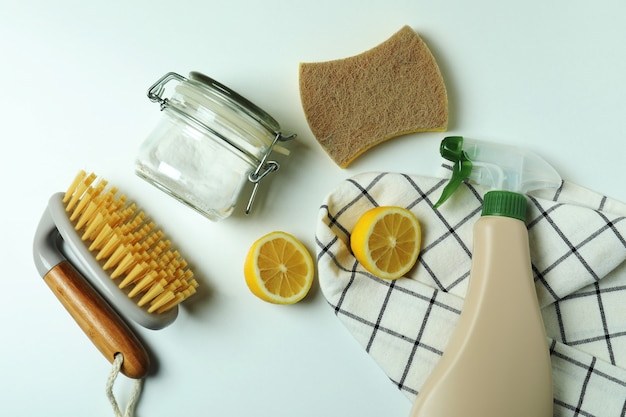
(106, 262)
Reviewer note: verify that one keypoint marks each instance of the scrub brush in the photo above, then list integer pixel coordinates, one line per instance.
(105, 259)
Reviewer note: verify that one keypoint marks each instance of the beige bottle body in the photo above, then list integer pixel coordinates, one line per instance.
(497, 362)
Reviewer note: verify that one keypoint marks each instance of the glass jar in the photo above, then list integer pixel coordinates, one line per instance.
(208, 144)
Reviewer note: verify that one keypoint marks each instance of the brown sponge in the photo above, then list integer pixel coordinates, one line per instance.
(355, 103)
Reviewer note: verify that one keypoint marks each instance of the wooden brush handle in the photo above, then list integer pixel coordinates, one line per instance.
(98, 320)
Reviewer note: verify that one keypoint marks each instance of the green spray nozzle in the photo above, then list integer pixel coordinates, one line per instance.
(497, 167)
(451, 148)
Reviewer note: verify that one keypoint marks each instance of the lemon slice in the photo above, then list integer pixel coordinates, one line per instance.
(279, 269)
(386, 241)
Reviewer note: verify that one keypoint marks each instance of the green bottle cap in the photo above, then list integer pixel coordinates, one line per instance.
(506, 204)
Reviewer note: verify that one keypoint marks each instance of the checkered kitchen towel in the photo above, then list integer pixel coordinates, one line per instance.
(578, 251)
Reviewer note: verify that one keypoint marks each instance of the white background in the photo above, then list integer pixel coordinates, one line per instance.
(547, 76)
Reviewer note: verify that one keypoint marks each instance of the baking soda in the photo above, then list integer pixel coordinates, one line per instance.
(201, 172)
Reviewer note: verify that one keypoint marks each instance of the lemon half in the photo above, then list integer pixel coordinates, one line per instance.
(279, 269)
(386, 241)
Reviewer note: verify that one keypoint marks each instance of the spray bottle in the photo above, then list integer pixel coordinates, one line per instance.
(497, 362)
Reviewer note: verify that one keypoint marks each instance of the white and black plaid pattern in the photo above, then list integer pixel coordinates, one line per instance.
(578, 249)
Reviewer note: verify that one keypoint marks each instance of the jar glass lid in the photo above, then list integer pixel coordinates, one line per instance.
(241, 102)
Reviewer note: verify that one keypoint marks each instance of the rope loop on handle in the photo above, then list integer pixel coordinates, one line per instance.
(134, 397)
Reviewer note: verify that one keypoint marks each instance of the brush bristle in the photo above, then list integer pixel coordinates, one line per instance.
(130, 248)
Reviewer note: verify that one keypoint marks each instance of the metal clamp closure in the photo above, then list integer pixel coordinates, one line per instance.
(265, 167)
(155, 92)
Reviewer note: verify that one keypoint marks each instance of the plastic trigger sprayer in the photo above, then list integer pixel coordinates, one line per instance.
(497, 362)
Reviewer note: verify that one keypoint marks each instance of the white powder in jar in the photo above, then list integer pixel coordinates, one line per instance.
(200, 170)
